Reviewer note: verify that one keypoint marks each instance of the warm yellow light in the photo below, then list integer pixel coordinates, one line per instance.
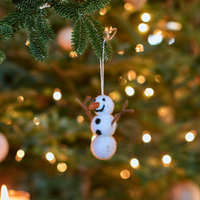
(129, 91)
(141, 79)
(36, 121)
(4, 193)
(50, 156)
(146, 137)
(190, 136)
(115, 95)
(131, 75)
(166, 159)
(162, 111)
(121, 52)
(143, 27)
(125, 174)
(174, 26)
(18, 159)
(62, 167)
(158, 78)
(145, 17)
(149, 92)
(20, 99)
(139, 48)
(20, 153)
(57, 94)
(134, 163)
(93, 137)
(73, 54)
(27, 42)
(80, 119)
(128, 6)
(157, 32)
(103, 11)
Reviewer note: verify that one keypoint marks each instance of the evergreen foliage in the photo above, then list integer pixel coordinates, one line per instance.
(29, 15)
(2, 56)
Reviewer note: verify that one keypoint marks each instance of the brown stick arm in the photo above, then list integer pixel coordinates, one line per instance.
(117, 116)
(83, 105)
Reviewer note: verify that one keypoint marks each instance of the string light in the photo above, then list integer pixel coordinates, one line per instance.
(189, 137)
(20, 153)
(139, 48)
(174, 26)
(125, 174)
(166, 159)
(146, 137)
(129, 91)
(80, 119)
(149, 92)
(134, 163)
(20, 99)
(143, 27)
(103, 11)
(128, 6)
(57, 94)
(158, 78)
(93, 137)
(27, 42)
(62, 167)
(50, 157)
(121, 52)
(115, 95)
(73, 54)
(145, 17)
(141, 79)
(155, 39)
(171, 41)
(131, 75)
(36, 121)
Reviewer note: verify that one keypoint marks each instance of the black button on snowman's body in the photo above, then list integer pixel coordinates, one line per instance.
(103, 125)
(104, 145)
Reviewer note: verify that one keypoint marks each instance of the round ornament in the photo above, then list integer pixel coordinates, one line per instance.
(186, 190)
(64, 38)
(4, 147)
(103, 148)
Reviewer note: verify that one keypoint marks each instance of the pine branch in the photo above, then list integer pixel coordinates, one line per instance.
(91, 6)
(79, 36)
(66, 9)
(96, 37)
(2, 56)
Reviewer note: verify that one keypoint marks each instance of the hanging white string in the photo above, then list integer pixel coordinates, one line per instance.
(102, 68)
(108, 37)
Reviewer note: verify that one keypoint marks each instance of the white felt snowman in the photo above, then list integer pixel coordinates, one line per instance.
(103, 125)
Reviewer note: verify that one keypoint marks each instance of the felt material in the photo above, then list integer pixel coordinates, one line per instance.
(106, 105)
(102, 125)
(103, 148)
(4, 147)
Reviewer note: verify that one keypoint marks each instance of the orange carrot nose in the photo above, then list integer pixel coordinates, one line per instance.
(94, 105)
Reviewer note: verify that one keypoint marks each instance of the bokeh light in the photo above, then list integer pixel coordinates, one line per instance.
(50, 156)
(128, 6)
(166, 159)
(125, 174)
(36, 121)
(139, 48)
(155, 39)
(141, 79)
(146, 137)
(20, 99)
(189, 137)
(149, 92)
(143, 27)
(57, 94)
(134, 163)
(115, 96)
(80, 119)
(129, 91)
(103, 11)
(131, 75)
(145, 17)
(20, 153)
(62, 167)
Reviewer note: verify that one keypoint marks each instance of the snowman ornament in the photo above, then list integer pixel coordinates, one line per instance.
(103, 125)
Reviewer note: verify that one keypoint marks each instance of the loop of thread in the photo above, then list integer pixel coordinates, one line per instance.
(107, 38)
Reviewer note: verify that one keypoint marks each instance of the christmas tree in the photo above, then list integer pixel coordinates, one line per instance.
(152, 61)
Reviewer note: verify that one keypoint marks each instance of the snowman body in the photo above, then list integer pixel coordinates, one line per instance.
(104, 145)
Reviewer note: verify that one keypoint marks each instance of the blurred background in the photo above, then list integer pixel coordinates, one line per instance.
(45, 134)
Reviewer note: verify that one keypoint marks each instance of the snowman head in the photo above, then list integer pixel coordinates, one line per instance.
(102, 105)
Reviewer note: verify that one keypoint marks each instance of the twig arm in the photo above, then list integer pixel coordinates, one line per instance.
(83, 105)
(117, 116)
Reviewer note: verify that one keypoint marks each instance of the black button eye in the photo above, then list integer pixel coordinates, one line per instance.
(94, 100)
(104, 99)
